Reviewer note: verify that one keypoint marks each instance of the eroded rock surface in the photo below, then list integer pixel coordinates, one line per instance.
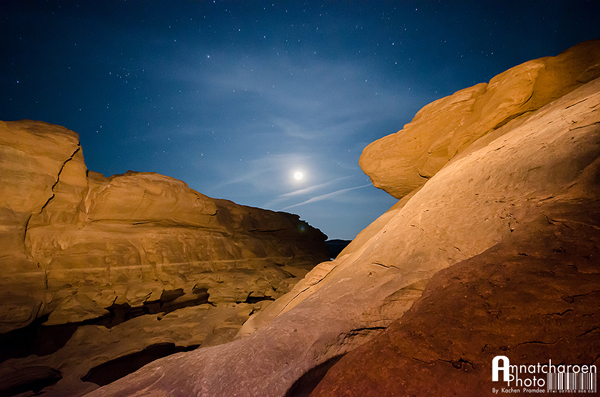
(534, 297)
(99, 354)
(527, 168)
(79, 248)
(401, 162)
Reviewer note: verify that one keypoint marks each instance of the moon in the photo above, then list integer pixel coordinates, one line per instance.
(298, 175)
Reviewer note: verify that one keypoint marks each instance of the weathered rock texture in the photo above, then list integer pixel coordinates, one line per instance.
(534, 297)
(523, 179)
(99, 354)
(401, 162)
(76, 246)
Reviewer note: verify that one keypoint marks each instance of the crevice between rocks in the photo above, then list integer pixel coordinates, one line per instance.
(306, 289)
(362, 331)
(513, 116)
(537, 342)
(26, 246)
(27, 249)
(58, 179)
(460, 363)
(387, 266)
(577, 103)
(584, 126)
(266, 230)
(112, 370)
(42, 340)
(595, 329)
(255, 299)
(30, 379)
(457, 364)
(304, 385)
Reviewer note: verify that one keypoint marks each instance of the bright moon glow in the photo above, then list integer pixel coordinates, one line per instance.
(298, 175)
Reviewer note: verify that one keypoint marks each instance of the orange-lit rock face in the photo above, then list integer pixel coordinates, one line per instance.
(74, 242)
(32, 156)
(156, 262)
(404, 161)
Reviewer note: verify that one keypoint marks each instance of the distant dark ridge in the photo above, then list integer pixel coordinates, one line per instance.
(336, 246)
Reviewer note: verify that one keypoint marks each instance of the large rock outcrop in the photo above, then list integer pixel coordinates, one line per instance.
(520, 190)
(534, 297)
(401, 162)
(79, 248)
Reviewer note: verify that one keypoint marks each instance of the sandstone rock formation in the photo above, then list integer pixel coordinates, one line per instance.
(533, 297)
(99, 354)
(513, 217)
(79, 248)
(401, 162)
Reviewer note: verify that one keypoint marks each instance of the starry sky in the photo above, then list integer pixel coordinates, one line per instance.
(236, 97)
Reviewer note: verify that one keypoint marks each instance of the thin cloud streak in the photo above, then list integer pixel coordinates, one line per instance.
(306, 190)
(312, 188)
(269, 165)
(326, 196)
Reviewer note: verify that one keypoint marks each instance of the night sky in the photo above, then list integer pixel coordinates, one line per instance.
(234, 98)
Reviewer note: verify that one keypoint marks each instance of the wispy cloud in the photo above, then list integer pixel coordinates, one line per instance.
(326, 196)
(305, 98)
(306, 190)
(265, 173)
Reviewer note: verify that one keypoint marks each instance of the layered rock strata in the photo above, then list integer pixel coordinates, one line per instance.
(521, 186)
(80, 248)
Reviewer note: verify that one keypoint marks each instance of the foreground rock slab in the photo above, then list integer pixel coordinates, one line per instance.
(533, 298)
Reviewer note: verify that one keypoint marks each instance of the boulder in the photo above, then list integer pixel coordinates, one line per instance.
(401, 162)
(82, 249)
(530, 178)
